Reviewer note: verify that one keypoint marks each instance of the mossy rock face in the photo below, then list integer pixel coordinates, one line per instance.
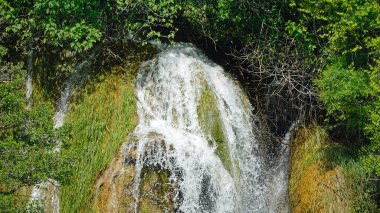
(157, 192)
(212, 126)
(102, 114)
(115, 186)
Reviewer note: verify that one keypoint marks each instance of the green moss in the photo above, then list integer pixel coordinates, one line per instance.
(100, 123)
(212, 125)
(156, 191)
(101, 116)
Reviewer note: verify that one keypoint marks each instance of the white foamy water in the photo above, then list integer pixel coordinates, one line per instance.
(169, 89)
(63, 106)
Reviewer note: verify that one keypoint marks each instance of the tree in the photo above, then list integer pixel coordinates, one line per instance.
(347, 32)
(27, 138)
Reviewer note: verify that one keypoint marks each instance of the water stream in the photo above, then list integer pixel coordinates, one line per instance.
(278, 176)
(212, 173)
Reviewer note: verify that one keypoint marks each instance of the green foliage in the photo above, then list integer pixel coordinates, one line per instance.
(47, 22)
(77, 25)
(230, 19)
(347, 32)
(350, 98)
(149, 19)
(27, 139)
(345, 92)
(371, 155)
(348, 26)
(301, 34)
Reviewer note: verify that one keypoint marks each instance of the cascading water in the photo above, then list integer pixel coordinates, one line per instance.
(214, 159)
(278, 179)
(75, 81)
(196, 148)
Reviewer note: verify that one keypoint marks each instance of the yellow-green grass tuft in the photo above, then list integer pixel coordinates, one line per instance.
(324, 176)
(100, 123)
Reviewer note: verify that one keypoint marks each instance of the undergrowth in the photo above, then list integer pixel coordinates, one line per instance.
(326, 176)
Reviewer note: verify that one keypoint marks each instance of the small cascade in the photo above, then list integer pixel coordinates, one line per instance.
(195, 148)
(63, 106)
(47, 193)
(29, 86)
(45, 196)
(75, 81)
(279, 179)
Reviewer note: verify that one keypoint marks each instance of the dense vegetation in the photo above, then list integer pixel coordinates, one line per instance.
(326, 176)
(349, 82)
(27, 139)
(304, 59)
(102, 117)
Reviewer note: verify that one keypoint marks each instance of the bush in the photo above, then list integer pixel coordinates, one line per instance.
(345, 92)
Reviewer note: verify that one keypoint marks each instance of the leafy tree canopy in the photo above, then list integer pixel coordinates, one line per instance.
(347, 32)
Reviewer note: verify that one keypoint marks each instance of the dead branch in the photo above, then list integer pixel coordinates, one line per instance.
(282, 73)
(332, 189)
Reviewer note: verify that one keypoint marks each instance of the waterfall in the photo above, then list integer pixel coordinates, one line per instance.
(213, 158)
(196, 147)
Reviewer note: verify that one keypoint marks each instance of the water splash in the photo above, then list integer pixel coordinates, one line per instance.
(170, 136)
